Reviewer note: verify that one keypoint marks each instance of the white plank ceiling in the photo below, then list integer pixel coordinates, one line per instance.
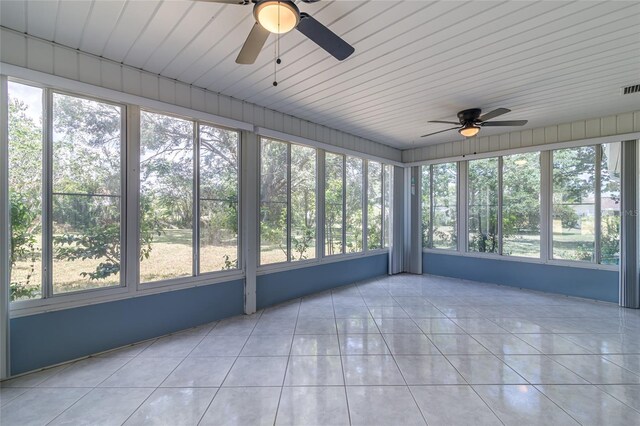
(550, 62)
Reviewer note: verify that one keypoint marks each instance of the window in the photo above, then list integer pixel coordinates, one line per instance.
(25, 190)
(287, 202)
(444, 216)
(218, 198)
(374, 204)
(354, 199)
(427, 230)
(166, 197)
(86, 197)
(482, 198)
(65, 192)
(334, 203)
(521, 205)
(273, 201)
(610, 167)
(387, 191)
(303, 203)
(188, 226)
(574, 203)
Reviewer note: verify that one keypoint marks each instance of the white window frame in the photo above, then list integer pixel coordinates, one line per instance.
(546, 206)
(196, 276)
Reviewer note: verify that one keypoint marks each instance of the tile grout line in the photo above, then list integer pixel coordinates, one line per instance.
(204, 413)
(286, 368)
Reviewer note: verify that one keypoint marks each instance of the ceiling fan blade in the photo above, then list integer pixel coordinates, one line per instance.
(494, 113)
(253, 45)
(504, 123)
(441, 131)
(445, 122)
(324, 37)
(240, 2)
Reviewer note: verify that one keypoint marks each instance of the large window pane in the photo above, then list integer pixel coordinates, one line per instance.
(374, 212)
(303, 203)
(218, 199)
(86, 194)
(354, 191)
(445, 206)
(482, 201)
(273, 202)
(166, 197)
(610, 203)
(25, 190)
(426, 207)
(521, 205)
(334, 212)
(386, 221)
(574, 203)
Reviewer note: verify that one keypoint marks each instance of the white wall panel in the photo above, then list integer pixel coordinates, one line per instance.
(65, 63)
(620, 124)
(38, 55)
(14, 48)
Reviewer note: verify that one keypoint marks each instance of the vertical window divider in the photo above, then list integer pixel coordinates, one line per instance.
(124, 207)
(132, 225)
(289, 256)
(320, 203)
(344, 205)
(196, 200)
(47, 202)
(382, 200)
(365, 206)
(598, 206)
(500, 202)
(462, 244)
(5, 238)
(546, 205)
(431, 206)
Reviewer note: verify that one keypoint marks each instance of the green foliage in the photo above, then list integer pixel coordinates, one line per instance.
(23, 242)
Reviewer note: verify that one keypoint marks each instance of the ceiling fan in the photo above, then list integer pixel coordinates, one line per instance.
(282, 16)
(471, 122)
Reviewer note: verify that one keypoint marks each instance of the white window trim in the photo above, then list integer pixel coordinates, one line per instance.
(546, 193)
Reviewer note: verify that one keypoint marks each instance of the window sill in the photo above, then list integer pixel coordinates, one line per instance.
(93, 297)
(551, 262)
(281, 267)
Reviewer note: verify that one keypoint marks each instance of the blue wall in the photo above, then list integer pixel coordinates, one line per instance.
(49, 338)
(582, 282)
(280, 286)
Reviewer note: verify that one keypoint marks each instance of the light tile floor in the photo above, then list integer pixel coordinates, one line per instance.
(390, 351)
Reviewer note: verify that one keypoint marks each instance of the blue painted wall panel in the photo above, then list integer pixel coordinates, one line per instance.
(280, 286)
(581, 282)
(49, 338)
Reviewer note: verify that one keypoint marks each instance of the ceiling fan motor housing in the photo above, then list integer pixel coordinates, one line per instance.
(469, 115)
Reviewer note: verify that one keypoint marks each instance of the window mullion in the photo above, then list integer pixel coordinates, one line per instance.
(196, 201)
(320, 203)
(500, 201)
(132, 197)
(432, 206)
(365, 206)
(289, 257)
(47, 202)
(344, 204)
(546, 196)
(461, 207)
(598, 205)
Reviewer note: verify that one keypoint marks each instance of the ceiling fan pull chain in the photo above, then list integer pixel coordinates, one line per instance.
(277, 51)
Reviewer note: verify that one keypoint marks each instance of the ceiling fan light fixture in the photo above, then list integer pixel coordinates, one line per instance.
(276, 16)
(469, 130)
